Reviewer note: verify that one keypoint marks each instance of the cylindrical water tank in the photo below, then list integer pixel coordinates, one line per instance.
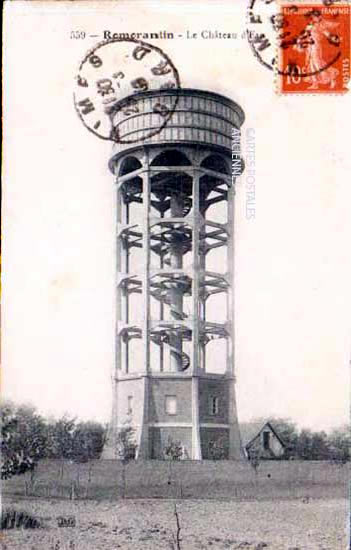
(175, 116)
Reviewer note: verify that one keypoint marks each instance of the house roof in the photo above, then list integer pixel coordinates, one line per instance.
(250, 430)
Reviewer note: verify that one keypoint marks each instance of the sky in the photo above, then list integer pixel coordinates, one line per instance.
(292, 260)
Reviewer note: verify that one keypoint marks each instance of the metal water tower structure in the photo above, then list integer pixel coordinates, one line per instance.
(170, 178)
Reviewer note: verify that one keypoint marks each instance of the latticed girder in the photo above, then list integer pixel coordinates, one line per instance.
(167, 234)
(165, 204)
(166, 181)
(162, 281)
(129, 283)
(130, 235)
(162, 244)
(170, 231)
(161, 331)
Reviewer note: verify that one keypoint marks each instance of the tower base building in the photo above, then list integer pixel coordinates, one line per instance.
(174, 380)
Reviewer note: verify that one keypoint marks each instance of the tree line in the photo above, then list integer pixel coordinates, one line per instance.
(28, 437)
(307, 444)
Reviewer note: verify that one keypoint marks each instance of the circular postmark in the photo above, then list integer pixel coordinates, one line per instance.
(261, 33)
(289, 39)
(111, 77)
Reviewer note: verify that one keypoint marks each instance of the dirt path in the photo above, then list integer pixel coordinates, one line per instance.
(150, 525)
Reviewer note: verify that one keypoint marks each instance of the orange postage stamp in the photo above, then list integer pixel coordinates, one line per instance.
(314, 48)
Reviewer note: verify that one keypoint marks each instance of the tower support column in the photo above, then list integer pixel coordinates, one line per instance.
(196, 441)
(235, 447)
(143, 442)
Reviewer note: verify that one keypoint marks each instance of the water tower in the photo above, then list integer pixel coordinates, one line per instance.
(172, 179)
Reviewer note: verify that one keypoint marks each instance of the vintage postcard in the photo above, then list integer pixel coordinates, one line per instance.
(176, 275)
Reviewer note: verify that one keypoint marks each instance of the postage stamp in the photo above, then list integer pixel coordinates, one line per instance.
(306, 45)
(314, 49)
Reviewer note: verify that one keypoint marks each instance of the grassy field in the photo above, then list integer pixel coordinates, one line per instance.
(160, 479)
(223, 505)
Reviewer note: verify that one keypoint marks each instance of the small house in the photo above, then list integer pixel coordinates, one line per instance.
(261, 440)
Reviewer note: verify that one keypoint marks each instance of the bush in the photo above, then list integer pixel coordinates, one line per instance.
(219, 450)
(12, 519)
(173, 449)
(23, 439)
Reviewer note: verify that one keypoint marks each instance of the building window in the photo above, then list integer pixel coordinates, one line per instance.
(266, 436)
(214, 405)
(130, 404)
(171, 404)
